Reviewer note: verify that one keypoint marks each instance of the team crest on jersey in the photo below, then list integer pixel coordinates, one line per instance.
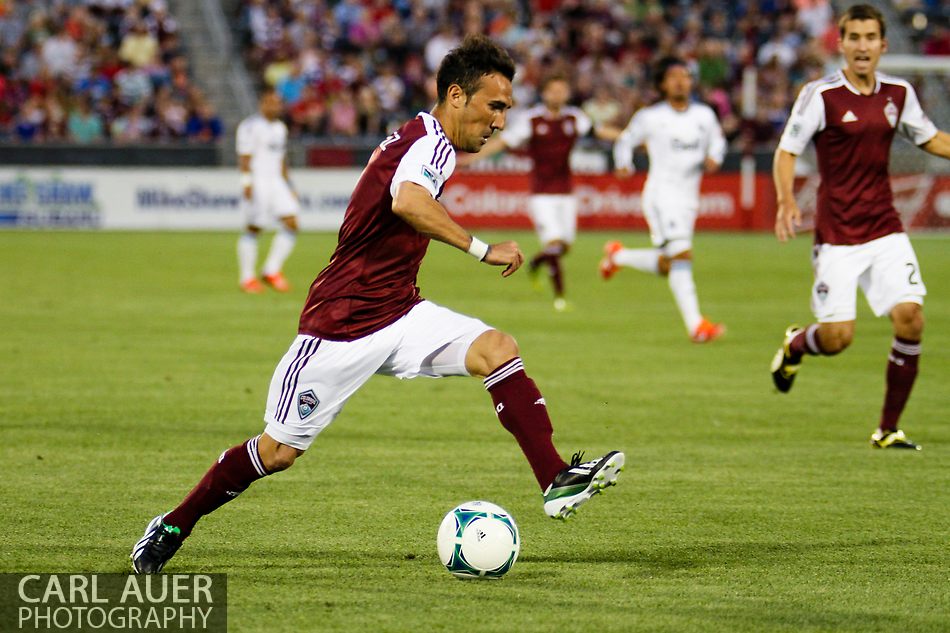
(821, 291)
(541, 129)
(890, 112)
(307, 403)
(431, 176)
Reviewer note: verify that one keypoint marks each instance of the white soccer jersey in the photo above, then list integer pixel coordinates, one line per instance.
(677, 144)
(265, 142)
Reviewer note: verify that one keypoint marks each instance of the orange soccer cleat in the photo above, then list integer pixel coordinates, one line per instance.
(707, 331)
(252, 286)
(607, 266)
(277, 281)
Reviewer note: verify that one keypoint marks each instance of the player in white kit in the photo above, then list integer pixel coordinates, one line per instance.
(683, 140)
(262, 159)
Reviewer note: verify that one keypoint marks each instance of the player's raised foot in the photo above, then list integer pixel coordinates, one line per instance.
(892, 439)
(156, 547)
(707, 331)
(607, 266)
(577, 483)
(252, 286)
(277, 281)
(784, 364)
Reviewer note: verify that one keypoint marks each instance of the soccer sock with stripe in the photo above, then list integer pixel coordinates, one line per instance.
(247, 255)
(236, 469)
(523, 412)
(280, 249)
(684, 292)
(806, 342)
(645, 259)
(901, 373)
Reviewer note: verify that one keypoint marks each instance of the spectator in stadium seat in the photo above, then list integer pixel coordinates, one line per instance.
(290, 88)
(30, 120)
(204, 125)
(84, 124)
(134, 126)
(139, 47)
(343, 115)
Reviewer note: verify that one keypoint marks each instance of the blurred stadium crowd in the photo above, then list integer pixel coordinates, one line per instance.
(83, 71)
(88, 70)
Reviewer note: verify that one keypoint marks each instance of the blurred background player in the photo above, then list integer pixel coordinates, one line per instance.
(364, 314)
(262, 159)
(683, 139)
(859, 240)
(549, 130)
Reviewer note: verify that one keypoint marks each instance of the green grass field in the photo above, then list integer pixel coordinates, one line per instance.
(131, 361)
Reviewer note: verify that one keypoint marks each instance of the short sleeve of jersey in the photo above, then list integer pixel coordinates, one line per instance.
(517, 131)
(807, 118)
(245, 138)
(429, 162)
(584, 124)
(717, 142)
(914, 125)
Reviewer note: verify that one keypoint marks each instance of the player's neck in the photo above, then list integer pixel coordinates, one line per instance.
(552, 112)
(442, 116)
(864, 84)
(680, 105)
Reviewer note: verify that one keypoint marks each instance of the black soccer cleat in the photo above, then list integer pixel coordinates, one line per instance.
(784, 366)
(892, 439)
(156, 547)
(579, 482)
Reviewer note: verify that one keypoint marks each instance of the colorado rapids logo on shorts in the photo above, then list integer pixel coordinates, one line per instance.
(307, 403)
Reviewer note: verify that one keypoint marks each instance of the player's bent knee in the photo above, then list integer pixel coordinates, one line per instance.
(835, 339)
(276, 456)
(663, 265)
(908, 319)
(489, 351)
(253, 230)
(290, 223)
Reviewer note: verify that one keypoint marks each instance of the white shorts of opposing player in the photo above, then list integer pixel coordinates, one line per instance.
(316, 377)
(671, 224)
(271, 199)
(554, 217)
(886, 269)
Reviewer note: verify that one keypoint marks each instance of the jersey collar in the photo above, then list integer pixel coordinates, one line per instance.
(847, 84)
(434, 122)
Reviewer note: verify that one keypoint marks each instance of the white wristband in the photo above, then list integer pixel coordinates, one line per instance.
(246, 179)
(478, 249)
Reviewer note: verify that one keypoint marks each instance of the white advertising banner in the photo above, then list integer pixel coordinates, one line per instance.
(156, 198)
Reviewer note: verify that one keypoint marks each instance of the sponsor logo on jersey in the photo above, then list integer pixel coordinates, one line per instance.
(849, 117)
(821, 291)
(430, 174)
(890, 112)
(685, 145)
(796, 129)
(307, 403)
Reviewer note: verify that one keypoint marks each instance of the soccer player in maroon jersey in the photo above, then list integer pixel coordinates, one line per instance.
(364, 314)
(852, 116)
(549, 132)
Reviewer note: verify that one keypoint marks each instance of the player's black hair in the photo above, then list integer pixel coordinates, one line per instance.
(465, 65)
(862, 12)
(661, 67)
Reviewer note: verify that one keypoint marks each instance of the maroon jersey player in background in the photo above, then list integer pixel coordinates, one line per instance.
(549, 131)
(852, 116)
(364, 314)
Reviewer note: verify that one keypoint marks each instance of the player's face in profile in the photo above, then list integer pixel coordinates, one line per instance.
(677, 83)
(485, 112)
(271, 105)
(556, 94)
(862, 46)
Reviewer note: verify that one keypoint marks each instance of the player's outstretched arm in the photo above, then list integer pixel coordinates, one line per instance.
(938, 145)
(416, 206)
(787, 214)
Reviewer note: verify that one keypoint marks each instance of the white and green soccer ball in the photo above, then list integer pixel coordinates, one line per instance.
(478, 539)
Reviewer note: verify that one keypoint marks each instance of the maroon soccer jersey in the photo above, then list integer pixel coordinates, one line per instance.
(371, 279)
(549, 140)
(853, 134)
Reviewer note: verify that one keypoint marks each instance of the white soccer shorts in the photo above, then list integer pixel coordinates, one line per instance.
(554, 217)
(671, 224)
(271, 198)
(316, 377)
(886, 269)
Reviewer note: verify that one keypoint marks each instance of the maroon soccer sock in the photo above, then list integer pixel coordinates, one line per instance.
(236, 469)
(901, 373)
(522, 411)
(806, 342)
(550, 257)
